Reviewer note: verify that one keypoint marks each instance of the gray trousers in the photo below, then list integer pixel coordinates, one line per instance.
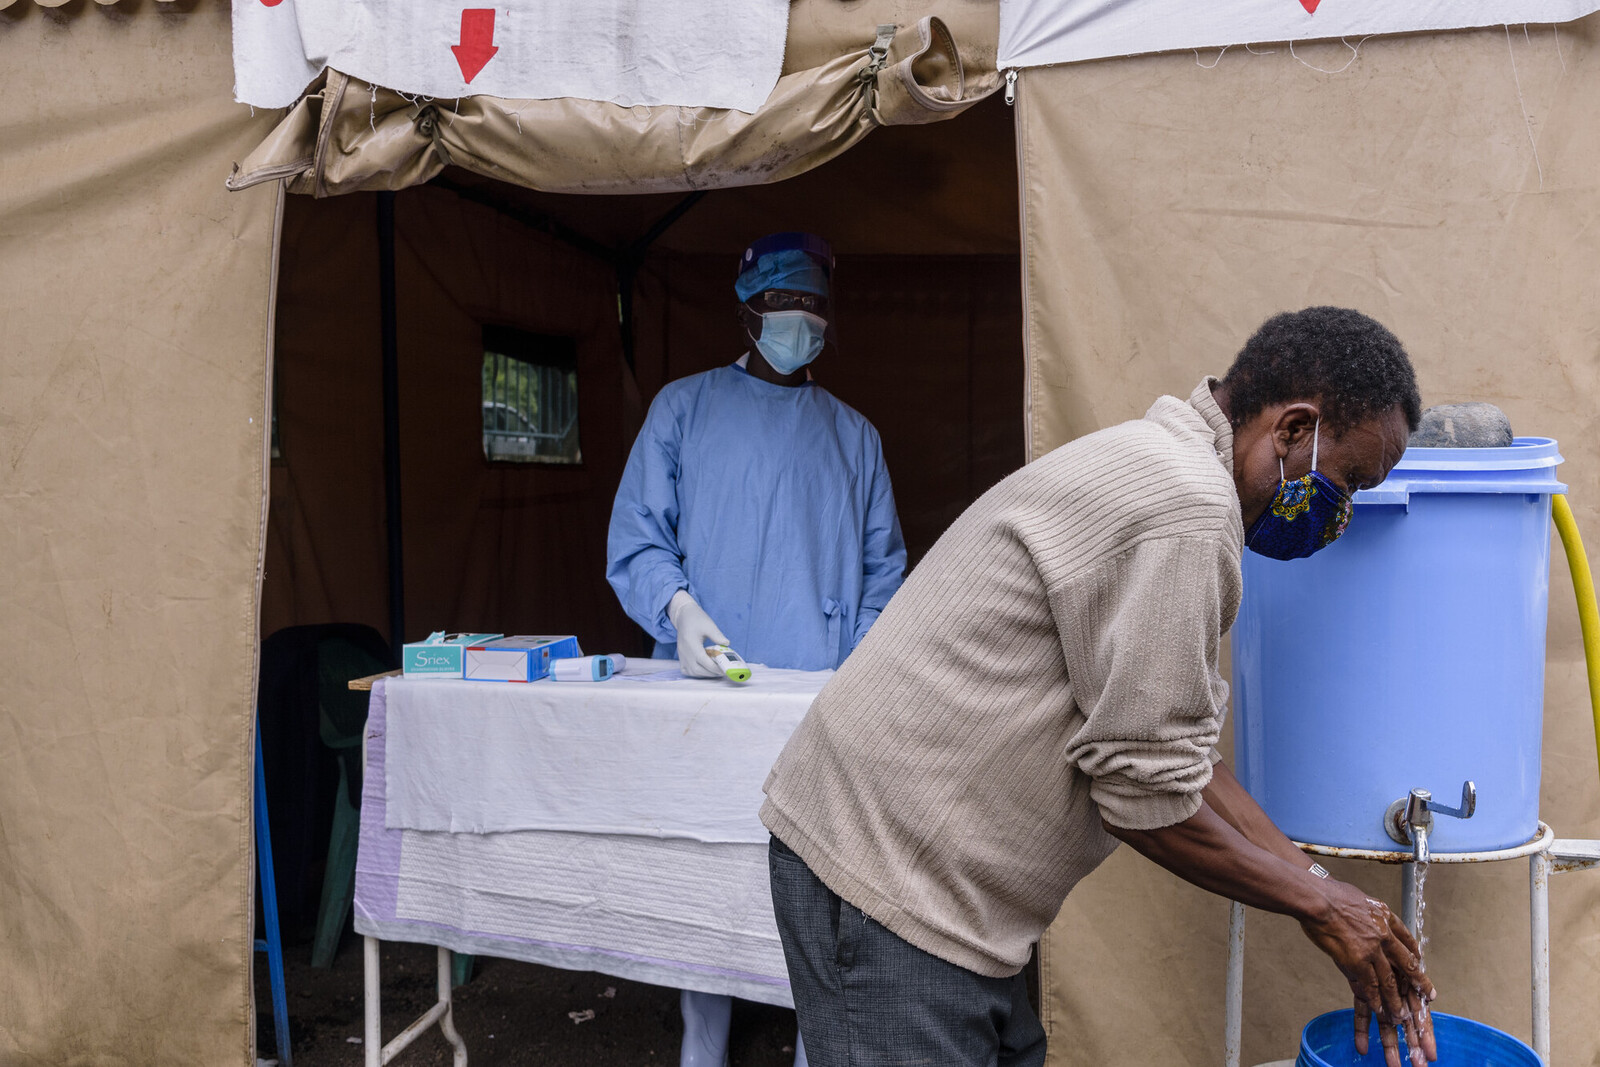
(868, 998)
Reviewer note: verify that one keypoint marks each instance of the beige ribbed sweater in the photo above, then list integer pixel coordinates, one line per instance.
(1052, 661)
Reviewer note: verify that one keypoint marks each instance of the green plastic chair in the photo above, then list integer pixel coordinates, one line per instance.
(342, 718)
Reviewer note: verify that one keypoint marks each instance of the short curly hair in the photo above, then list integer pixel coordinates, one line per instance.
(1351, 365)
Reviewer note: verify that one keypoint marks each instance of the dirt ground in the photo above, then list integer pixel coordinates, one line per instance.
(510, 1014)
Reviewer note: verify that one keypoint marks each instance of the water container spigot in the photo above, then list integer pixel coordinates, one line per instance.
(1409, 820)
(1469, 803)
(1417, 819)
(1419, 810)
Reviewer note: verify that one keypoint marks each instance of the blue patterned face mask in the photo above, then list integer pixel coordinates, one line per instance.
(1307, 514)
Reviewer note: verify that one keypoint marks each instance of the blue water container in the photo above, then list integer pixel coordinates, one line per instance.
(1327, 1041)
(1409, 654)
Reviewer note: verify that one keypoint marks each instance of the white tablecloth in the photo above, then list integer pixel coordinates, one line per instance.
(648, 753)
(676, 912)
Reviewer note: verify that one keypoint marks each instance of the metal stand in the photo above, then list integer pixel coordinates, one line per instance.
(272, 945)
(1545, 855)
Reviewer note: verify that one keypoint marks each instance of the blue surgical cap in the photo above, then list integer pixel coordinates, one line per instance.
(798, 261)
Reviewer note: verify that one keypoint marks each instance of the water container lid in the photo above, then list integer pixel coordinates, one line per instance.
(1527, 466)
(1525, 453)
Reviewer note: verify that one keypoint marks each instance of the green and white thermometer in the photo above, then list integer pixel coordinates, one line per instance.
(729, 662)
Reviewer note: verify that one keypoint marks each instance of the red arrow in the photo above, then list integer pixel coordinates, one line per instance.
(1309, 5)
(477, 45)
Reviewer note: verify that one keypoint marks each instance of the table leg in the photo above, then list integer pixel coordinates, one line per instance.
(1233, 1012)
(1539, 930)
(447, 1022)
(372, 1040)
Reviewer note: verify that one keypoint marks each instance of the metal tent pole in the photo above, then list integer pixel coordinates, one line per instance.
(391, 424)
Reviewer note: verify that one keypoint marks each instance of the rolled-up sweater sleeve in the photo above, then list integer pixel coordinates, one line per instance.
(1141, 632)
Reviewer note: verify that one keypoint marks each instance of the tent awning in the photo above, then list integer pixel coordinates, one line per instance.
(346, 135)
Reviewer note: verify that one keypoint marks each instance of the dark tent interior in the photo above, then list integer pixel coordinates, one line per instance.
(927, 293)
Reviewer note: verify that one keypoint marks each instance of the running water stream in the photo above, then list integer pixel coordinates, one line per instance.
(1419, 880)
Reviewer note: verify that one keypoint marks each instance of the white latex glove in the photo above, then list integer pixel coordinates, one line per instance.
(695, 629)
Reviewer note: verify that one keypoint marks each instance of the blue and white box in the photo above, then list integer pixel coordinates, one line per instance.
(440, 655)
(516, 659)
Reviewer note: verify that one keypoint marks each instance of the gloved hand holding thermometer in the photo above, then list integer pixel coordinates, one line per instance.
(695, 631)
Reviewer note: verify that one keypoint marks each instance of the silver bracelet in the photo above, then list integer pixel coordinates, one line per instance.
(1319, 870)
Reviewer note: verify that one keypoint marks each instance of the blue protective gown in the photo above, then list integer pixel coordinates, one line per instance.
(771, 505)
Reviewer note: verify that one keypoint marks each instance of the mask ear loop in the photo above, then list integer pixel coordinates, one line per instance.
(1315, 432)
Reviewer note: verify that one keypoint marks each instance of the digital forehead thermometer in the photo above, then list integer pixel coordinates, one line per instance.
(582, 669)
(729, 663)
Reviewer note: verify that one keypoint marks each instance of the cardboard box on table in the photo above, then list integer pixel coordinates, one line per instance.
(440, 656)
(516, 659)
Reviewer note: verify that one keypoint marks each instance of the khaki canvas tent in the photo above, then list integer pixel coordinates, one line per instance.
(1446, 183)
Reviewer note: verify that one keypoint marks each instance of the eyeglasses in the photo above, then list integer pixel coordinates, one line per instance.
(778, 300)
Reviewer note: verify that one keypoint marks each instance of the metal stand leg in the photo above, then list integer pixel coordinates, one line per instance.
(1539, 930)
(1408, 896)
(1233, 1019)
(372, 1038)
(272, 945)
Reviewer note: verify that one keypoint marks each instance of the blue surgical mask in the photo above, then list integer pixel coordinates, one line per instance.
(1307, 514)
(790, 339)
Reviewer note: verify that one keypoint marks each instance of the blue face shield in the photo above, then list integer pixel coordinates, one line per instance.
(1306, 515)
(790, 339)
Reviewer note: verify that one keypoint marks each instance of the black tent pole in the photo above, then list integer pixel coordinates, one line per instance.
(391, 424)
(630, 257)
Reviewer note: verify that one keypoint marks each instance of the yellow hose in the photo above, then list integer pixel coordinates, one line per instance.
(1588, 612)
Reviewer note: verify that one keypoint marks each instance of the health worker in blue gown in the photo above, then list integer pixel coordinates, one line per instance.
(756, 511)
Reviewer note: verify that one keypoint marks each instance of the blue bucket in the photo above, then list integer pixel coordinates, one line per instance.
(1327, 1042)
(1408, 654)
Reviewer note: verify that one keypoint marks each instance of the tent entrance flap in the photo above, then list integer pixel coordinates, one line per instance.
(347, 135)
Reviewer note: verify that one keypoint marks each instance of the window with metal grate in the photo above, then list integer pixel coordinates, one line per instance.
(530, 397)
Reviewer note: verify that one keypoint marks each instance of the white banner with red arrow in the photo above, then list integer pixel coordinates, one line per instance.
(693, 53)
(1037, 32)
